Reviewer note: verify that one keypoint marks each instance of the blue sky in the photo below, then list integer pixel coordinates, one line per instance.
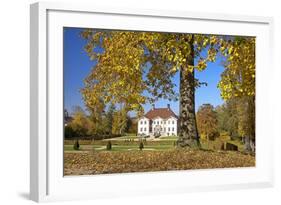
(77, 66)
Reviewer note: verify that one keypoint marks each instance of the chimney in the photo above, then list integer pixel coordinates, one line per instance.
(153, 106)
(168, 106)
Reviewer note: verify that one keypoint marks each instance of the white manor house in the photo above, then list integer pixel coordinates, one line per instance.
(158, 122)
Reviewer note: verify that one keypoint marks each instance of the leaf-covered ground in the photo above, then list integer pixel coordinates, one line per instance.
(87, 163)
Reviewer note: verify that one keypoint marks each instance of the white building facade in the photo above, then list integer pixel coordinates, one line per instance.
(143, 126)
(158, 122)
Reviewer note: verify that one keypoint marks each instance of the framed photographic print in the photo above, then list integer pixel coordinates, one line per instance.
(128, 102)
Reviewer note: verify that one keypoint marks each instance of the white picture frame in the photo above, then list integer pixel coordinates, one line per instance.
(47, 182)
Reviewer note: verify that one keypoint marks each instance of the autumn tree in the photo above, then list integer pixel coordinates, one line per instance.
(132, 125)
(246, 125)
(238, 78)
(109, 118)
(238, 83)
(227, 115)
(120, 122)
(207, 121)
(80, 122)
(222, 116)
(130, 64)
(96, 116)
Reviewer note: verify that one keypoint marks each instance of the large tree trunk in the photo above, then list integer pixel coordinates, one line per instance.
(250, 141)
(188, 133)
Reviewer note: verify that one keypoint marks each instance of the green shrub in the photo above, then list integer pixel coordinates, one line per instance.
(69, 132)
(141, 146)
(76, 145)
(108, 145)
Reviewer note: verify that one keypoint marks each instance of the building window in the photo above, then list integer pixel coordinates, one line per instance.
(141, 129)
(172, 129)
(164, 129)
(168, 129)
(157, 122)
(144, 129)
(154, 122)
(141, 122)
(168, 122)
(173, 122)
(145, 122)
(164, 122)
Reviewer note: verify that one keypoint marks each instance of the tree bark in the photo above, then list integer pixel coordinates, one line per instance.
(188, 133)
(250, 142)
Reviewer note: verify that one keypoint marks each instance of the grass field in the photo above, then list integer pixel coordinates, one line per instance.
(128, 143)
(115, 147)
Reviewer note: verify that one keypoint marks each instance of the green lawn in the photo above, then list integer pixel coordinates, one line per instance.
(125, 137)
(123, 147)
(131, 142)
(169, 138)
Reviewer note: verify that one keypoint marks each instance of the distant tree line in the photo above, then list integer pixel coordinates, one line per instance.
(99, 124)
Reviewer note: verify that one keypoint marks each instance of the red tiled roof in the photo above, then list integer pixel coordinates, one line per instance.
(160, 112)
